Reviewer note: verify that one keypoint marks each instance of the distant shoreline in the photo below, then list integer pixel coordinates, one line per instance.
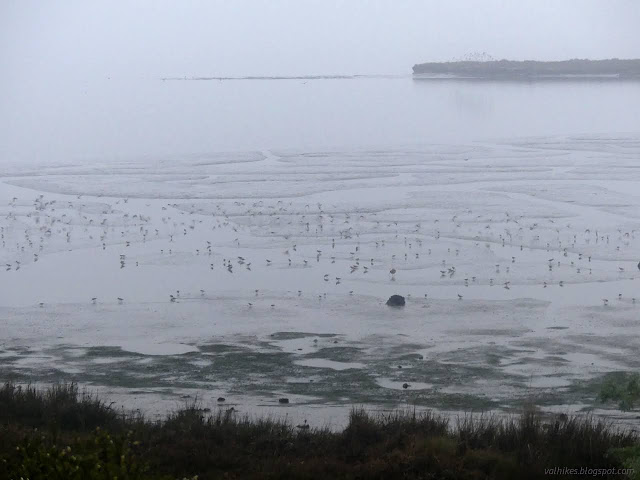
(610, 69)
(288, 77)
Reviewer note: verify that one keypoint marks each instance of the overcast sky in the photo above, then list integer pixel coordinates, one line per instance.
(282, 37)
(81, 78)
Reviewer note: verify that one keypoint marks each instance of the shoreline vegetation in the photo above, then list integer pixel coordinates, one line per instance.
(61, 432)
(529, 69)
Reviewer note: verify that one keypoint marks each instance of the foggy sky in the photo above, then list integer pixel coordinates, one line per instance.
(81, 78)
(283, 37)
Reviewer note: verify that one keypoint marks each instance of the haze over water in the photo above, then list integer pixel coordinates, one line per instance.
(55, 120)
(167, 238)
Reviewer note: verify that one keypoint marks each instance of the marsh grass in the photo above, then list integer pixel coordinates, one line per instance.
(37, 426)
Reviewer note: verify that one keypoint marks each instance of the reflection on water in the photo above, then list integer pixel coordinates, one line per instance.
(116, 118)
(263, 274)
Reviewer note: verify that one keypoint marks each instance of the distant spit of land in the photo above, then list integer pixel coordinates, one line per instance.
(509, 69)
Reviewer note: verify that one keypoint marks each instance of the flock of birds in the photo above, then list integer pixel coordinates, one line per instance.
(351, 244)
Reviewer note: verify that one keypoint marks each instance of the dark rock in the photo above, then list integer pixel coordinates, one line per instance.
(221, 399)
(283, 400)
(396, 301)
(405, 385)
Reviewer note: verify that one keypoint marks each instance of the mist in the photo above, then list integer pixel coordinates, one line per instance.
(76, 39)
(336, 230)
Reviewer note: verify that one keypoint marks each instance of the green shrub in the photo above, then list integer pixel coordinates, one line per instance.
(629, 457)
(97, 456)
(624, 389)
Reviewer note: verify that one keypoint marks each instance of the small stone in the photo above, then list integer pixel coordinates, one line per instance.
(221, 399)
(283, 400)
(405, 385)
(396, 301)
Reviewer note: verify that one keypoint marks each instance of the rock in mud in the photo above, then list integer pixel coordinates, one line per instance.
(396, 301)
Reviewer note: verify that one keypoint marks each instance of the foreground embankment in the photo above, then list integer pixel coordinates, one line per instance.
(63, 433)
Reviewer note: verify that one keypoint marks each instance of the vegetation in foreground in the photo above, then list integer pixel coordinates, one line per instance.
(62, 433)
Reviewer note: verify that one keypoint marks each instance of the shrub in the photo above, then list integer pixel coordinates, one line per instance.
(623, 389)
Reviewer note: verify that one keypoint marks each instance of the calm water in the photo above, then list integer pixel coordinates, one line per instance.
(48, 120)
(255, 276)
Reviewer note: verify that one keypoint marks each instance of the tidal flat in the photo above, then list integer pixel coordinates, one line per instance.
(259, 275)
